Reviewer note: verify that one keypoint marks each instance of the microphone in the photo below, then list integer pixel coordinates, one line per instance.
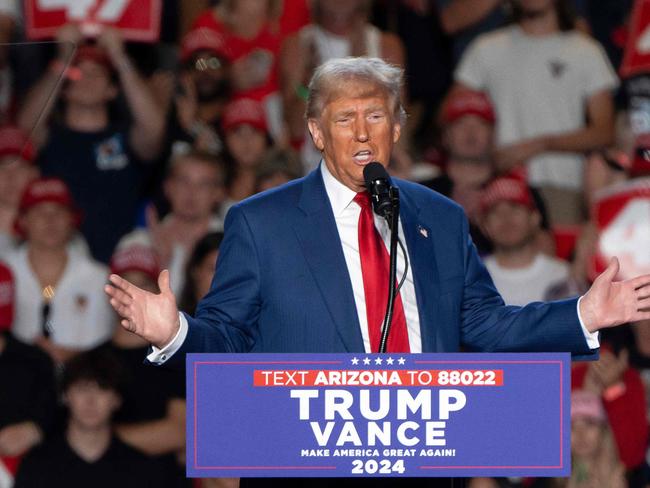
(385, 203)
(378, 184)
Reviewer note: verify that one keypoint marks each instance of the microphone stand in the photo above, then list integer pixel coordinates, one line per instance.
(392, 218)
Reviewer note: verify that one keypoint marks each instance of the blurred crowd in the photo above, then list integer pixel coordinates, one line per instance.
(125, 157)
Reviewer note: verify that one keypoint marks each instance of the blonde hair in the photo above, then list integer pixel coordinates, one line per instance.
(331, 77)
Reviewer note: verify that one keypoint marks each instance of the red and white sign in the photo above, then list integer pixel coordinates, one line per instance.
(138, 20)
(622, 214)
(636, 58)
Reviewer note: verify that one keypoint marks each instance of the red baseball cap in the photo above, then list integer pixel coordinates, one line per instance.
(15, 142)
(244, 111)
(587, 404)
(7, 295)
(42, 190)
(466, 102)
(135, 257)
(506, 189)
(203, 39)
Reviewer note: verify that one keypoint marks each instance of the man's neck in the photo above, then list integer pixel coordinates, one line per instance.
(188, 230)
(83, 118)
(516, 258)
(243, 185)
(7, 217)
(47, 263)
(340, 25)
(540, 23)
(244, 25)
(472, 173)
(89, 444)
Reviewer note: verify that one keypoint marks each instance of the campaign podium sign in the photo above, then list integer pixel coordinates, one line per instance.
(354, 415)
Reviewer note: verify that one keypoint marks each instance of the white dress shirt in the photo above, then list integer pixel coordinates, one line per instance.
(346, 214)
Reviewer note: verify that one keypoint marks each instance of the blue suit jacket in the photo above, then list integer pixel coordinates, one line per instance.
(282, 285)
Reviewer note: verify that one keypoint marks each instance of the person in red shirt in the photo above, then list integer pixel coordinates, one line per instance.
(621, 389)
(253, 43)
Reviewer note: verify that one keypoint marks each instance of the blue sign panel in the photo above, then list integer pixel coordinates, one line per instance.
(336, 415)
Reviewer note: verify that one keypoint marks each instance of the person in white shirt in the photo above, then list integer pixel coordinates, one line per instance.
(60, 305)
(521, 273)
(552, 89)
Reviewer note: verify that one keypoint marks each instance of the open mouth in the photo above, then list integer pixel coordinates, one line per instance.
(362, 157)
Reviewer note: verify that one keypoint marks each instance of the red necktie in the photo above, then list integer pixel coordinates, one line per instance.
(374, 267)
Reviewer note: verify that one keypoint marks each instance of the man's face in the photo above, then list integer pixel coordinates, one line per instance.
(246, 145)
(48, 224)
(586, 437)
(94, 86)
(194, 189)
(91, 407)
(510, 225)
(211, 76)
(15, 173)
(253, 8)
(469, 138)
(355, 129)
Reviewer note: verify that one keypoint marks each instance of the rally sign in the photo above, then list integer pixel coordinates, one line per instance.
(138, 20)
(622, 215)
(401, 415)
(636, 58)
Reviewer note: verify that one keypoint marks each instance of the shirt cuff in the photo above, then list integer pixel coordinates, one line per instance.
(592, 338)
(159, 356)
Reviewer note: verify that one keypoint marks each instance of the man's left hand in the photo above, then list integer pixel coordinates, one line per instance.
(609, 303)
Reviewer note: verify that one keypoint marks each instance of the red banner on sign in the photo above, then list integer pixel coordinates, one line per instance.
(138, 20)
(622, 214)
(636, 58)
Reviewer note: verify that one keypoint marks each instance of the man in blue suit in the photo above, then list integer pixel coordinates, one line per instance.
(290, 276)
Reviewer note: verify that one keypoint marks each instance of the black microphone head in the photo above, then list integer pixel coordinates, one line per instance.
(378, 184)
(372, 172)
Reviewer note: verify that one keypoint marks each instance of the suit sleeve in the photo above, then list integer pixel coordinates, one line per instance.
(487, 324)
(226, 318)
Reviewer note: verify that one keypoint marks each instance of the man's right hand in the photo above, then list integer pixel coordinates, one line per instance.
(68, 38)
(154, 317)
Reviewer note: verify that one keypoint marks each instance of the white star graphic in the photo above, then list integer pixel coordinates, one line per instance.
(390, 361)
(366, 361)
(401, 361)
(378, 361)
(355, 360)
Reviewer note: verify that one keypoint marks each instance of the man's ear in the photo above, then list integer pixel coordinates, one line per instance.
(167, 187)
(397, 132)
(316, 134)
(536, 219)
(112, 91)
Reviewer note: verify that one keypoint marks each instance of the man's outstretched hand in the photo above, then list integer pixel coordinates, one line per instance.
(609, 303)
(154, 317)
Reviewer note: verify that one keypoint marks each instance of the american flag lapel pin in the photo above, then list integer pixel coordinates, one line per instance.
(423, 232)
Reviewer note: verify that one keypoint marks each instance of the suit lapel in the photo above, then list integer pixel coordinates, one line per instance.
(321, 244)
(419, 242)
